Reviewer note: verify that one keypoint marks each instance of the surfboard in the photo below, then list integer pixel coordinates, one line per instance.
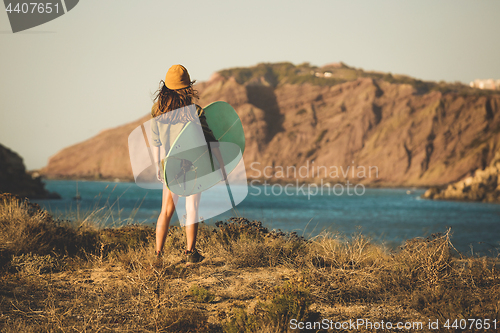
(190, 166)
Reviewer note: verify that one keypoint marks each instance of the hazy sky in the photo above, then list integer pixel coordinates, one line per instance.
(97, 66)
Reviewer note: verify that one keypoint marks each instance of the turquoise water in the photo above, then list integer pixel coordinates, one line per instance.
(388, 216)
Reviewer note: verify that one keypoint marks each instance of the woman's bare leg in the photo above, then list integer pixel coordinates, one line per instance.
(167, 210)
(192, 203)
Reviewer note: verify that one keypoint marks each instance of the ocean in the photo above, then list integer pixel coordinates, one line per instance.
(387, 216)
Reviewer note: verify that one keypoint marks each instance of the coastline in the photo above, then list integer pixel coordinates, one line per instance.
(261, 181)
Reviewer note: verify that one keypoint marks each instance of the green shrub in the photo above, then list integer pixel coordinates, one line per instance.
(200, 294)
(288, 301)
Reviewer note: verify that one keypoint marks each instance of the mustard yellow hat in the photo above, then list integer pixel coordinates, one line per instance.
(177, 78)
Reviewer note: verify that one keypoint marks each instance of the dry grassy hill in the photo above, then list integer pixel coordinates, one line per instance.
(60, 277)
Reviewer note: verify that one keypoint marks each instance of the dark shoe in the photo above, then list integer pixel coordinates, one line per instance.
(159, 254)
(193, 256)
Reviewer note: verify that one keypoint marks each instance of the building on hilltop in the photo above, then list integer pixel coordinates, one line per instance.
(485, 84)
(324, 74)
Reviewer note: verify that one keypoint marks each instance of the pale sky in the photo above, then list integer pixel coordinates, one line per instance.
(97, 66)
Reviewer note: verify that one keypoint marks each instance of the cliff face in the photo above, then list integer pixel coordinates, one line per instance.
(105, 156)
(14, 179)
(364, 130)
(409, 138)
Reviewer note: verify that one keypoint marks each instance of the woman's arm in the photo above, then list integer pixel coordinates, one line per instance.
(159, 169)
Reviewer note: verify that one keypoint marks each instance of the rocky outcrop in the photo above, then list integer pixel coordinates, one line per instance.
(14, 178)
(371, 130)
(484, 186)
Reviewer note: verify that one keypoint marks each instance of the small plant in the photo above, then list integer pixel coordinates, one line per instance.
(250, 244)
(288, 301)
(425, 261)
(201, 295)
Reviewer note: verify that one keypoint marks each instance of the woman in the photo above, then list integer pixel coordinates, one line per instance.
(172, 110)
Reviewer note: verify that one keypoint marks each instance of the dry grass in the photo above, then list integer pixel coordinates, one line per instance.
(25, 228)
(66, 277)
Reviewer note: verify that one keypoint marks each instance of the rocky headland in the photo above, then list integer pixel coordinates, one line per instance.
(482, 186)
(330, 124)
(14, 178)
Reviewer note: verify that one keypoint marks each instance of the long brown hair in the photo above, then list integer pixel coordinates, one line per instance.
(167, 100)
